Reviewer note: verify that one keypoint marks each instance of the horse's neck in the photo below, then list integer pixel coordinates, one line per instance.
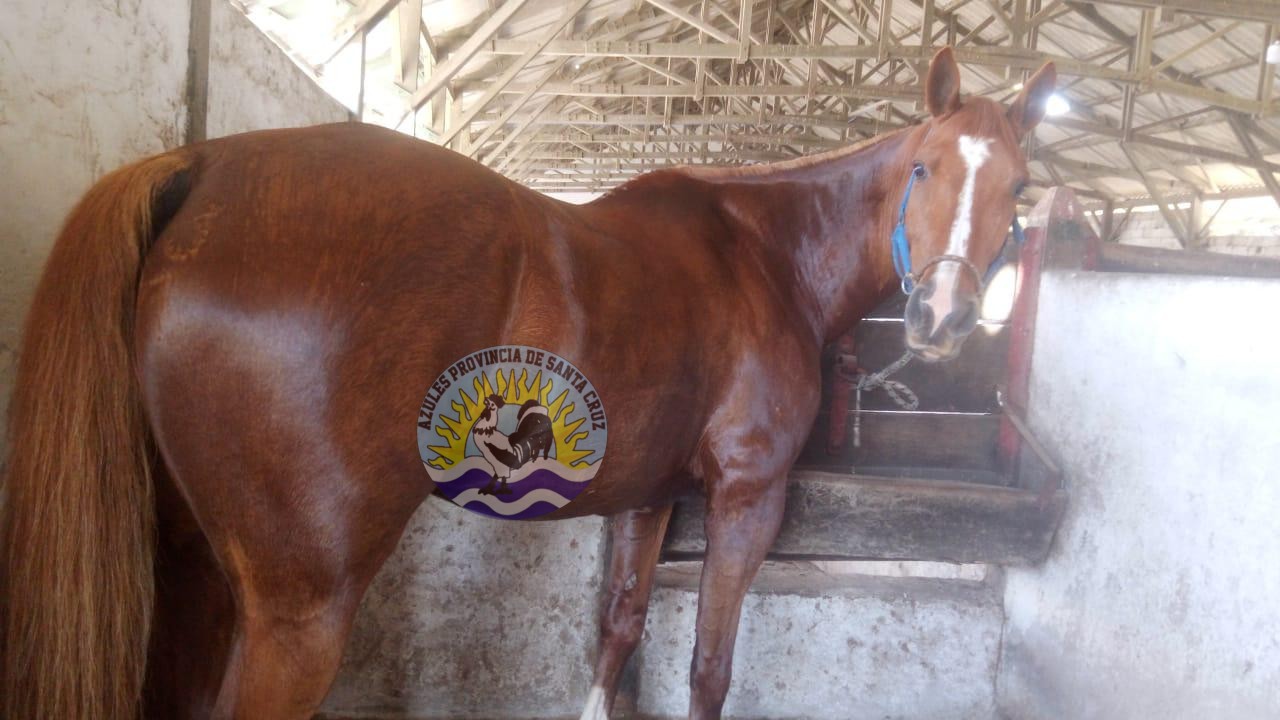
(825, 221)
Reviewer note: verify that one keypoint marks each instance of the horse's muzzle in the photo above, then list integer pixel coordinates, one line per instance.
(938, 320)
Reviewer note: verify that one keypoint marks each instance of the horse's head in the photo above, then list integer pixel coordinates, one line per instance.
(963, 182)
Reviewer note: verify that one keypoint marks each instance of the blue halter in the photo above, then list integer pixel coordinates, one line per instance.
(902, 248)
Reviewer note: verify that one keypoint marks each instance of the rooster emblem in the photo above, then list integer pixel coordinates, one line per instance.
(506, 453)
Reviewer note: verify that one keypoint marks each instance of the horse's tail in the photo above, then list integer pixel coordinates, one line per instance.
(79, 518)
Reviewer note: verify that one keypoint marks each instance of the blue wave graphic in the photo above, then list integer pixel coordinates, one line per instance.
(537, 480)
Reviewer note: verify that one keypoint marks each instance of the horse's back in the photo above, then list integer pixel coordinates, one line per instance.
(328, 276)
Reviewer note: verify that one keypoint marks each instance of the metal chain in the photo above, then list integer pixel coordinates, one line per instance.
(901, 395)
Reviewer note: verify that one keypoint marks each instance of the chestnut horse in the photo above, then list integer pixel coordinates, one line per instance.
(212, 436)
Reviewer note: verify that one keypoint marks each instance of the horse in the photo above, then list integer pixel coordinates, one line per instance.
(211, 450)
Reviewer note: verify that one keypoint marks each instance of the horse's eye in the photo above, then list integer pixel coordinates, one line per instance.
(918, 169)
(1019, 189)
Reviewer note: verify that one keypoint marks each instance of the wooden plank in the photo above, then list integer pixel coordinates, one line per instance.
(853, 517)
(894, 307)
(197, 89)
(910, 440)
(1133, 258)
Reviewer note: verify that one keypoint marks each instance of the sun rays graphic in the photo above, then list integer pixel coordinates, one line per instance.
(515, 387)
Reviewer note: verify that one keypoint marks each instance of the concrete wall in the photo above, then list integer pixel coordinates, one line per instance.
(917, 645)
(1247, 226)
(1159, 600)
(87, 88)
(476, 618)
(83, 90)
(253, 84)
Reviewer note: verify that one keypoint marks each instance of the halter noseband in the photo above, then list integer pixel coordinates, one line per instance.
(902, 249)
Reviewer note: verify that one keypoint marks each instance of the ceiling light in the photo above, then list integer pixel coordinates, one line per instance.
(1056, 105)
(1273, 53)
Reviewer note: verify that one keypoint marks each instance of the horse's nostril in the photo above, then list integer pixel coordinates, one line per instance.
(965, 318)
(919, 314)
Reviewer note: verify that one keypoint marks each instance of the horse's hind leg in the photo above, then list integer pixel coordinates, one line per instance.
(298, 571)
(297, 576)
(297, 535)
(637, 539)
(194, 615)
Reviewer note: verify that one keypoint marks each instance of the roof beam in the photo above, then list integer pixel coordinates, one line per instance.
(632, 158)
(849, 21)
(661, 138)
(681, 120)
(444, 73)
(1259, 10)
(407, 47)
(1171, 145)
(369, 14)
(502, 81)
(1234, 194)
(519, 129)
(690, 90)
(515, 106)
(692, 21)
(1170, 217)
(995, 57)
(1242, 134)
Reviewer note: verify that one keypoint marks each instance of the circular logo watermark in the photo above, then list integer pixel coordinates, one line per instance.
(512, 432)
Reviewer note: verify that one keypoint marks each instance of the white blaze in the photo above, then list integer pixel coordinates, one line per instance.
(595, 706)
(974, 152)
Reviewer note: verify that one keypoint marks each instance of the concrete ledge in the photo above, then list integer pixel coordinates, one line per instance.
(854, 516)
(820, 646)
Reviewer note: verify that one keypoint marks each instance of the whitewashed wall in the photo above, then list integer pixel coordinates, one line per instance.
(83, 90)
(86, 87)
(1159, 600)
(476, 618)
(253, 85)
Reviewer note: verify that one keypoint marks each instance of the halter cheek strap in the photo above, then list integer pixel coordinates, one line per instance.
(902, 246)
(1019, 239)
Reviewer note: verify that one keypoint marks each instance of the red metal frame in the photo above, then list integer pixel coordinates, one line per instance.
(1057, 220)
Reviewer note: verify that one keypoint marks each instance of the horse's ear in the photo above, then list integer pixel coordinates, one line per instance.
(942, 88)
(1028, 110)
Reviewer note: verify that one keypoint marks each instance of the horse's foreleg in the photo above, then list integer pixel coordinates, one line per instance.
(742, 521)
(636, 536)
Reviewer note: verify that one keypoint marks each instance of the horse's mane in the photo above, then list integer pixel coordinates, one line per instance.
(989, 120)
(723, 173)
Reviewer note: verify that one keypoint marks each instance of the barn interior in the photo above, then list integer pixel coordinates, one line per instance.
(1077, 520)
